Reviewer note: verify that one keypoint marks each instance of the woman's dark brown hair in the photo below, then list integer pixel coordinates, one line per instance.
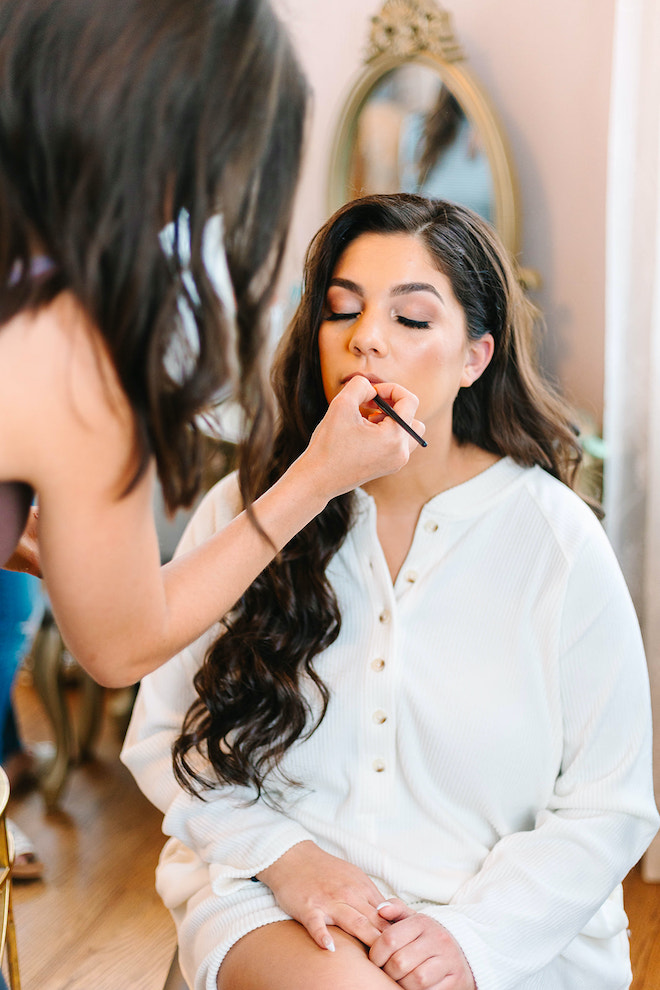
(115, 117)
(251, 706)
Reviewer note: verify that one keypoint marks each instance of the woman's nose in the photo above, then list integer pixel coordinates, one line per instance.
(367, 335)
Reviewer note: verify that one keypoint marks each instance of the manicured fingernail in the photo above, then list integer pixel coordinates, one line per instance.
(384, 904)
(329, 944)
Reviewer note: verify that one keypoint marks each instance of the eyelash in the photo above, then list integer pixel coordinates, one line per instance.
(336, 317)
(413, 324)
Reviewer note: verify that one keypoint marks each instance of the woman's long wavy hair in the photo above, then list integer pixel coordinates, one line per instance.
(115, 117)
(251, 706)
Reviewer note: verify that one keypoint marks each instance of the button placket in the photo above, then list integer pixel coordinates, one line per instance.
(379, 708)
(420, 555)
(377, 759)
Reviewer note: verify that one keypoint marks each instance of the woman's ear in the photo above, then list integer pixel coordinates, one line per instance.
(478, 355)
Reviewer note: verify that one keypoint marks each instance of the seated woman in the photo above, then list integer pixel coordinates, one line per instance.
(422, 737)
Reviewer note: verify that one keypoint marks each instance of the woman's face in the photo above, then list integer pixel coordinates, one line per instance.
(391, 316)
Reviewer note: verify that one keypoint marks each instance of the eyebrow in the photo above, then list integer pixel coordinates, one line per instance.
(345, 283)
(406, 288)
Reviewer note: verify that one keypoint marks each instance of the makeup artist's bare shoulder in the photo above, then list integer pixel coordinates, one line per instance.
(60, 344)
(62, 387)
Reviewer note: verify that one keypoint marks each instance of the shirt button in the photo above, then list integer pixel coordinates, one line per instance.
(378, 664)
(411, 577)
(379, 766)
(430, 526)
(384, 616)
(379, 716)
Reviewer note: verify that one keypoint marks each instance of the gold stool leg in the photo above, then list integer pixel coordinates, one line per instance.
(8, 931)
(91, 711)
(47, 674)
(10, 947)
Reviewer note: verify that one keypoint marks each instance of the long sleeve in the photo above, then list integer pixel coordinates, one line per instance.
(537, 889)
(236, 836)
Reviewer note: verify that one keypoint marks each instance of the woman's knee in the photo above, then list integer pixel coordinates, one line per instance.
(282, 956)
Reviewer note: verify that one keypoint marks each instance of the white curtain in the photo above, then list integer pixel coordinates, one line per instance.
(632, 366)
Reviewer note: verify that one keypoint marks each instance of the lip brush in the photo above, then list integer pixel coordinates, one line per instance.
(387, 409)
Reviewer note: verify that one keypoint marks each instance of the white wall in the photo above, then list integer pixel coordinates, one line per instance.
(547, 69)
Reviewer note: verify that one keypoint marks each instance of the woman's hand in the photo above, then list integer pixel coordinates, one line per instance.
(349, 448)
(318, 890)
(418, 953)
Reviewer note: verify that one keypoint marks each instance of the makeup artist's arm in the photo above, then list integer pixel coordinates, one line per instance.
(119, 612)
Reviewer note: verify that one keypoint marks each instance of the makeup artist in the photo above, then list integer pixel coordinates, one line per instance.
(425, 729)
(149, 151)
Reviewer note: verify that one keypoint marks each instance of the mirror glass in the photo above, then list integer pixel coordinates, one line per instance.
(412, 134)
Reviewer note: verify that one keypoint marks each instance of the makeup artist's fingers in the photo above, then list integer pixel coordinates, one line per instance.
(403, 402)
(359, 389)
(347, 449)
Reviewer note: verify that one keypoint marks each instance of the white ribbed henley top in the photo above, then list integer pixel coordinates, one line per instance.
(486, 754)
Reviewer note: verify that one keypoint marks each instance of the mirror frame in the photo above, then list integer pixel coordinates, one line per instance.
(420, 32)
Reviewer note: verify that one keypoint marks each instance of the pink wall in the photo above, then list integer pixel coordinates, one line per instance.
(547, 70)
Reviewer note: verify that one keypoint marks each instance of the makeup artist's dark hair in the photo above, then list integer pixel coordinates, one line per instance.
(250, 706)
(440, 130)
(115, 117)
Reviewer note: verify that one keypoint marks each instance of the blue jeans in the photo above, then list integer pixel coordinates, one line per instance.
(21, 610)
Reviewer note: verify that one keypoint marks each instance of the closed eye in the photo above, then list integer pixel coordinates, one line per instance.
(416, 324)
(336, 317)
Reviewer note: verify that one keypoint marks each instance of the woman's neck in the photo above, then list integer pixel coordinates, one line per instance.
(400, 497)
(431, 470)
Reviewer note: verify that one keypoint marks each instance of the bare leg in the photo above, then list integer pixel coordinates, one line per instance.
(282, 956)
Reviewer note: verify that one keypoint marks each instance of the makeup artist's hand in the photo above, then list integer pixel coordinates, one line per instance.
(318, 890)
(418, 953)
(347, 449)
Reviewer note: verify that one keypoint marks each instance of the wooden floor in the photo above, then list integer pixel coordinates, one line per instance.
(642, 902)
(96, 923)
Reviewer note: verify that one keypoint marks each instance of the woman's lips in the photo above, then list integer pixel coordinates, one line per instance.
(374, 379)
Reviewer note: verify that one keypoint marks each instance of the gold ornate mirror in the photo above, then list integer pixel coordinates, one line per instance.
(417, 120)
